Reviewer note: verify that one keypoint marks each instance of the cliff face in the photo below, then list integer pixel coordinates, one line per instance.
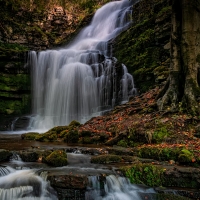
(25, 27)
(144, 48)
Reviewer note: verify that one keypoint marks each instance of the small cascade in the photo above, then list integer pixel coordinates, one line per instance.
(116, 188)
(12, 127)
(81, 80)
(4, 170)
(25, 184)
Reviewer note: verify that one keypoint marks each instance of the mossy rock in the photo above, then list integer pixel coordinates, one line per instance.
(29, 136)
(85, 134)
(161, 154)
(74, 123)
(57, 158)
(122, 143)
(5, 155)
(106, 159)
(186, 156)
(57, 129)
(48, 136)
(147, 174)
(86, 140)
(71, 137)
(29, 156)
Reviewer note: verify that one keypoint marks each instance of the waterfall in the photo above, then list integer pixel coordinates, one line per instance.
(80, 80)
(25, 185)
(116, 188)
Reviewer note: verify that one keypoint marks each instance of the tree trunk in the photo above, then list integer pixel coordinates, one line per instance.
(183, 87)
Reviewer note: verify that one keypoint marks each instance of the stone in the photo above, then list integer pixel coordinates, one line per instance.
(5, 155)
(68, 181)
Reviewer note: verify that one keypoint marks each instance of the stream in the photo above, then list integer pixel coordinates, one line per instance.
(28, 180)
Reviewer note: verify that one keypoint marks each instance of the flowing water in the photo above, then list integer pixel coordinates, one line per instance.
(116, 188)
(24, 181)
(83, 79)
(24, 185)
(75, 83)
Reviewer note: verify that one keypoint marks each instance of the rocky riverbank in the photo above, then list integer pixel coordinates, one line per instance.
(149, 147)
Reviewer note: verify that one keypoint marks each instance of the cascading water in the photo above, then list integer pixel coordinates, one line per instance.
(24, 185)
(116, 188)
(80, 81)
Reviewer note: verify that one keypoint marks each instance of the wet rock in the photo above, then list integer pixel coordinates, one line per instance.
(106, 159)
(29, 156)
(4, 155)
(57, 158)
(68, 181)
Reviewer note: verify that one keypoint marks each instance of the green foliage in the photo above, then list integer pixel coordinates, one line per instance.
(160, 134)
(147, 174)
(185, 156)
(57, 158)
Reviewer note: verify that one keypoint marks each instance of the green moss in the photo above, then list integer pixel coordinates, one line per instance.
(159, 153)
(29, 136)
(147, 174)
(122, 143)
(164, 10)
(86, 140)
(185, 156)
(57, 158)
(160, 135)
(143, 43)
(71, 136)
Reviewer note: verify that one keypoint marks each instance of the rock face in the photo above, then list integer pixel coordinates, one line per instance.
(5, 155)
(26, 28)
(145, 47)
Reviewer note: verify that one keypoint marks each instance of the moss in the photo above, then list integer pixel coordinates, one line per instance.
(160, 135)
(29, 156)
(159, 153)
(144, 43)
(74, 123)
(122, 143)
(85, 133)
(147, 174)
(29, 136)
(71, 136)
(86, 140)
(164, 10)
(57, 158)
(186, 156)
(48, 136)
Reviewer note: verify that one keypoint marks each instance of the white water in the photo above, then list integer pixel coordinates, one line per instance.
(25, 185)
(116, 188)
(80, 80)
